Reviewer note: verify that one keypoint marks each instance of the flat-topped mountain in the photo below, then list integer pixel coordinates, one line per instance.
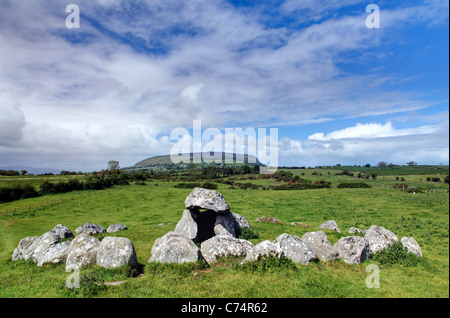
(161, 161)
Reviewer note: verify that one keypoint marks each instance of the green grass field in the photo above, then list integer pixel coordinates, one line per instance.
(36, 180)
(151, 211)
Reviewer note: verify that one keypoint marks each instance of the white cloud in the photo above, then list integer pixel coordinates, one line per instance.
(369, 143)
(373, 130)
(101, 91)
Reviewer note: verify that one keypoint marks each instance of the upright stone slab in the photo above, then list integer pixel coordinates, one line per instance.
(241, 221)
(187, 226)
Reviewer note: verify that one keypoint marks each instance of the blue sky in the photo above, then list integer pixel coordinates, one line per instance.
(115, 88)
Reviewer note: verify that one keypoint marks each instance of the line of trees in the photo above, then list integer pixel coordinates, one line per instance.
(97, 181)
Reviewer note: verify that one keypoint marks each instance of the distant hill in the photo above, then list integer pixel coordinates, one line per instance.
(166, 162)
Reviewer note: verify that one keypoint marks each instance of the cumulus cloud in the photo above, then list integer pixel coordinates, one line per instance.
(373, 130)
(370, 143)
(134, 71)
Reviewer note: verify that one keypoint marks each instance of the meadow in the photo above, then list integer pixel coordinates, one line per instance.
(153, 209)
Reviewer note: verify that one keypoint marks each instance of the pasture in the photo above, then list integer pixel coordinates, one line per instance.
(153, 209)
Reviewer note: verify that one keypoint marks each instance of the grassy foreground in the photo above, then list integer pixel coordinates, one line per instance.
(151, 211)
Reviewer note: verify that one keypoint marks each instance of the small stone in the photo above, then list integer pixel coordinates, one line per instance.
(330, 225)
(90, 229)
(116, 228)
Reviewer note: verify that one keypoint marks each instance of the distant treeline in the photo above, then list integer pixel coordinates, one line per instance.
(9, 173)
(96, 181)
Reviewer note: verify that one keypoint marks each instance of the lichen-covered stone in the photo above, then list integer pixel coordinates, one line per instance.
(352, 249)
(379, 238)
(330, 225)
(212, 200)
(82, 251)
(62, 231)
(261, 250)
(114, 252)
(113, 228)
(174, 248)
(323, 248)
(222, 246)
(295, 249)
(90, 229)
(187, 226)
(24, 247)
(411, 244)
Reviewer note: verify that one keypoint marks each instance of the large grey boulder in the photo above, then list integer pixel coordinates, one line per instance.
(411, 244)
(352, 249)
(46, 248)
(174, 248)
(113, 228)
(55, 254)
(40, 246)
(295, 249)
(82, 251)
(62, 231)
(187, 226)
(42, 249)
(224, 245)
(212, 200)
(323, 248)
(24, 247)
(261, 250)
(90, 229)
(330, 225)
(379, 238)
(114, 252)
